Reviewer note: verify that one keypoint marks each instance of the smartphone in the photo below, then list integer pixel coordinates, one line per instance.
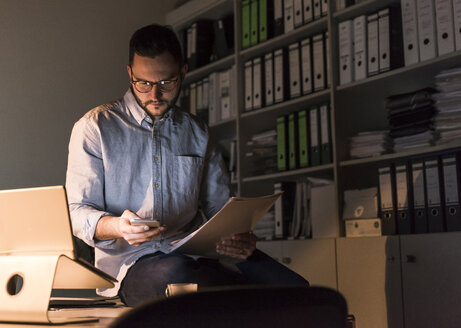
(150, 223)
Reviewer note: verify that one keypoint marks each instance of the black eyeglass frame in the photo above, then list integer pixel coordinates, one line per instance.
(163, 85)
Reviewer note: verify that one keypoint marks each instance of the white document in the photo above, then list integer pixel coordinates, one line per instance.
(269, 79)
(288, 13)
(257, 80)
(457, 23)
(318, 56)
(306, 66)
(295, 77)
(248, 85)
(410, 32)
(238, 215)
(384, 40)
(360, 47)
(360, 203)
(373, 44)
(426, 29)
(298, 13)
(345, 52)
(444, 23)
(308, 11)
(279, 90)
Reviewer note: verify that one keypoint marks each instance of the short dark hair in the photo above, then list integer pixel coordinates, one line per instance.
(153, 40)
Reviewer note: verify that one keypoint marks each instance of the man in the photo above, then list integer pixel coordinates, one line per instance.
(141, 157)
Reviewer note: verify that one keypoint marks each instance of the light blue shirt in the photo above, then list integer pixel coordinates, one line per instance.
(120, 159)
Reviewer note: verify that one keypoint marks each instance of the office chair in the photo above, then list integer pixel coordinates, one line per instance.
(242, 306)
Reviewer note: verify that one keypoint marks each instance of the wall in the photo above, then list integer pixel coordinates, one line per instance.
(58, 59)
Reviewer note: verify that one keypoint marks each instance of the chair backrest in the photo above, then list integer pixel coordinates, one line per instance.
(242, 307)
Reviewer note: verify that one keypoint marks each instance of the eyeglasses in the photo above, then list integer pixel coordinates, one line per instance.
(146, 86)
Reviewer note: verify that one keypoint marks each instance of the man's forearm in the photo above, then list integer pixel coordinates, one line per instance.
(107, 228)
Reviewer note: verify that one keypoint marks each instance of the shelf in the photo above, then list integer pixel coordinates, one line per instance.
(201, 72)
(399, 155)
(222, 123)
(289, 174)
(364, 7)
(284, 40)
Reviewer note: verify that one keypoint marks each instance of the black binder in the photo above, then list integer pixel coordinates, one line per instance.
(435, 218)
(419, 197)
(387, 200)
(451, 184)
(404, 198)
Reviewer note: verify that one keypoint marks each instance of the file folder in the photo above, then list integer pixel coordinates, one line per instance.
(288, 13)
(318, 56)
(224, 93)
(224, 36)
(268, 79)
(284, 207)
(317, 9)
(324, 9)
(327, 60)
(426, 29)
(306, 66)
(360, 47)
(298, 13)
(345, 52)
(373, 45)
(457, 23)
(444, 26)
(325, 134)
(293, 159)
(280, 81)
(390, 38)
(314, 120)
(245, 23)
(279, 27)
(266, 19)
(308, 14)
(404, 197)
(294, 69)
(304, 138)
(213, 101)
(254, 23)
(387, 199)
(410, 32)
(257, 83)
(434, 198)
(282, 143)
(248, 71)
(419, 197)
(450, 164)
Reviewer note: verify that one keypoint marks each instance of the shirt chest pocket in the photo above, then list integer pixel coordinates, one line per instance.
(187, 172)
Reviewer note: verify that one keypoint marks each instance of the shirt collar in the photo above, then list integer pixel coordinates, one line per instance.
(140, 114)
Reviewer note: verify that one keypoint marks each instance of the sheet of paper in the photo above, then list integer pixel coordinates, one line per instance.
(238, 215)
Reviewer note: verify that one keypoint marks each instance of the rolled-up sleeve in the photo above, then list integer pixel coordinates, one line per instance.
(85, 182)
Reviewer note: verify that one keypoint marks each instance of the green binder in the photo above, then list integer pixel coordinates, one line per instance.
(303, 136)
(293, 162)
(282, 143)
(325, 133)
(254, 24)
(245, 24)
(266, 18)
(314, 121)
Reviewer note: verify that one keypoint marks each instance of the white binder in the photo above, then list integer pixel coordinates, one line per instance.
(248, 69)
(318, 56)
(308, 14)
(360, 47)
(410, 32)
(269, 79)
(444, 26)
(213, 98)
(279, 87)
(193, 98)
(257, 83)
(324, 10)
(327, 59)
(345, 52)
(298, 13)
(295, 76)
(457, 23)
(426, 29)
(317, 8)
(199, 95)
(288, 13)
(306, 66)
(373, 44)
(224, 92)
(384, 40)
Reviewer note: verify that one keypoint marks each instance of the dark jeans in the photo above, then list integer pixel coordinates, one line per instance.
(149, 276)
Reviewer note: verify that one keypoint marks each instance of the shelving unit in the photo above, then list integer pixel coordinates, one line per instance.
(355, 107)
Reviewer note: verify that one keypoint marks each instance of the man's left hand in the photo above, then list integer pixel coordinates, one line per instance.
(239, 246)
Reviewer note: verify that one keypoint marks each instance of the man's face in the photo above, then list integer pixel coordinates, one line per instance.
(146, 72)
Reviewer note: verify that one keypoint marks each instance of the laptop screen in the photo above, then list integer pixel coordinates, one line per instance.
(35, 220)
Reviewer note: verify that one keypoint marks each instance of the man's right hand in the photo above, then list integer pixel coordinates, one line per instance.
(110, 227)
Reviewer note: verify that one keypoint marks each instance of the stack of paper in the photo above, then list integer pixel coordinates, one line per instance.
(411, 117)
(265, 229)
(370, 143)
(448, 103)
(262, 152)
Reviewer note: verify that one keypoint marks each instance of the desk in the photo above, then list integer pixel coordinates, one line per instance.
(105, 315)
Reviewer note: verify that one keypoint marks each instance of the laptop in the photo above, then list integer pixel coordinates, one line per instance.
(36, 242)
